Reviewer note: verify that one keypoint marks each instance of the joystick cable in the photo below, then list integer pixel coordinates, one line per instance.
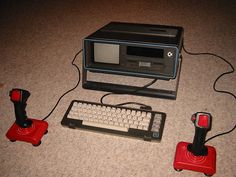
(220, 134)
(77, 84)
(221, 75)
(214, 84)
(70, 89)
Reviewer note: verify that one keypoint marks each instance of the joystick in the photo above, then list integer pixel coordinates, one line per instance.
(25, 129)
(197, 156)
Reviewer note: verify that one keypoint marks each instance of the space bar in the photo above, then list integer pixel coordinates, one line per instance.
(106, 126)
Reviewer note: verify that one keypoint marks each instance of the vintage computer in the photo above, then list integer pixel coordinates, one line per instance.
(137, 50)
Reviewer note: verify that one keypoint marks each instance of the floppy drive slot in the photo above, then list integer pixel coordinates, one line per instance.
(152, 31)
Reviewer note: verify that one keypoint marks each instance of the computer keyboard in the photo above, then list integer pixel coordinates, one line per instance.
(118, 120)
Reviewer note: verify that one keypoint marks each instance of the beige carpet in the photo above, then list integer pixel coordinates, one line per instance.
(38, 40)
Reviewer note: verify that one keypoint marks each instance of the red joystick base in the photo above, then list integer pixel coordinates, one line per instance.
(184, 159)
(32, 134)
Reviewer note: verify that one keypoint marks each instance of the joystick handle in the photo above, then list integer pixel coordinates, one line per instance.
(202, 122)
(19, 98)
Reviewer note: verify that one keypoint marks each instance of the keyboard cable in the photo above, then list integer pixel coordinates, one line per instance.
(142, 106)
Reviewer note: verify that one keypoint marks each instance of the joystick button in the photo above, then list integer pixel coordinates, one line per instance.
(203, 121)
(15, 95)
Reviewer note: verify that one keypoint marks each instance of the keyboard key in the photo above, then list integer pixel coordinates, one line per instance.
(101, 125)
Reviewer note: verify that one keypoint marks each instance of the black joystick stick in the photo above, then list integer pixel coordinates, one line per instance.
(202, 122)
(197, 156)
(25, 129)
(19, 98)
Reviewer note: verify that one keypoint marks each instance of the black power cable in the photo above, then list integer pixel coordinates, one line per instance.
(70, 89)
(214, 85)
